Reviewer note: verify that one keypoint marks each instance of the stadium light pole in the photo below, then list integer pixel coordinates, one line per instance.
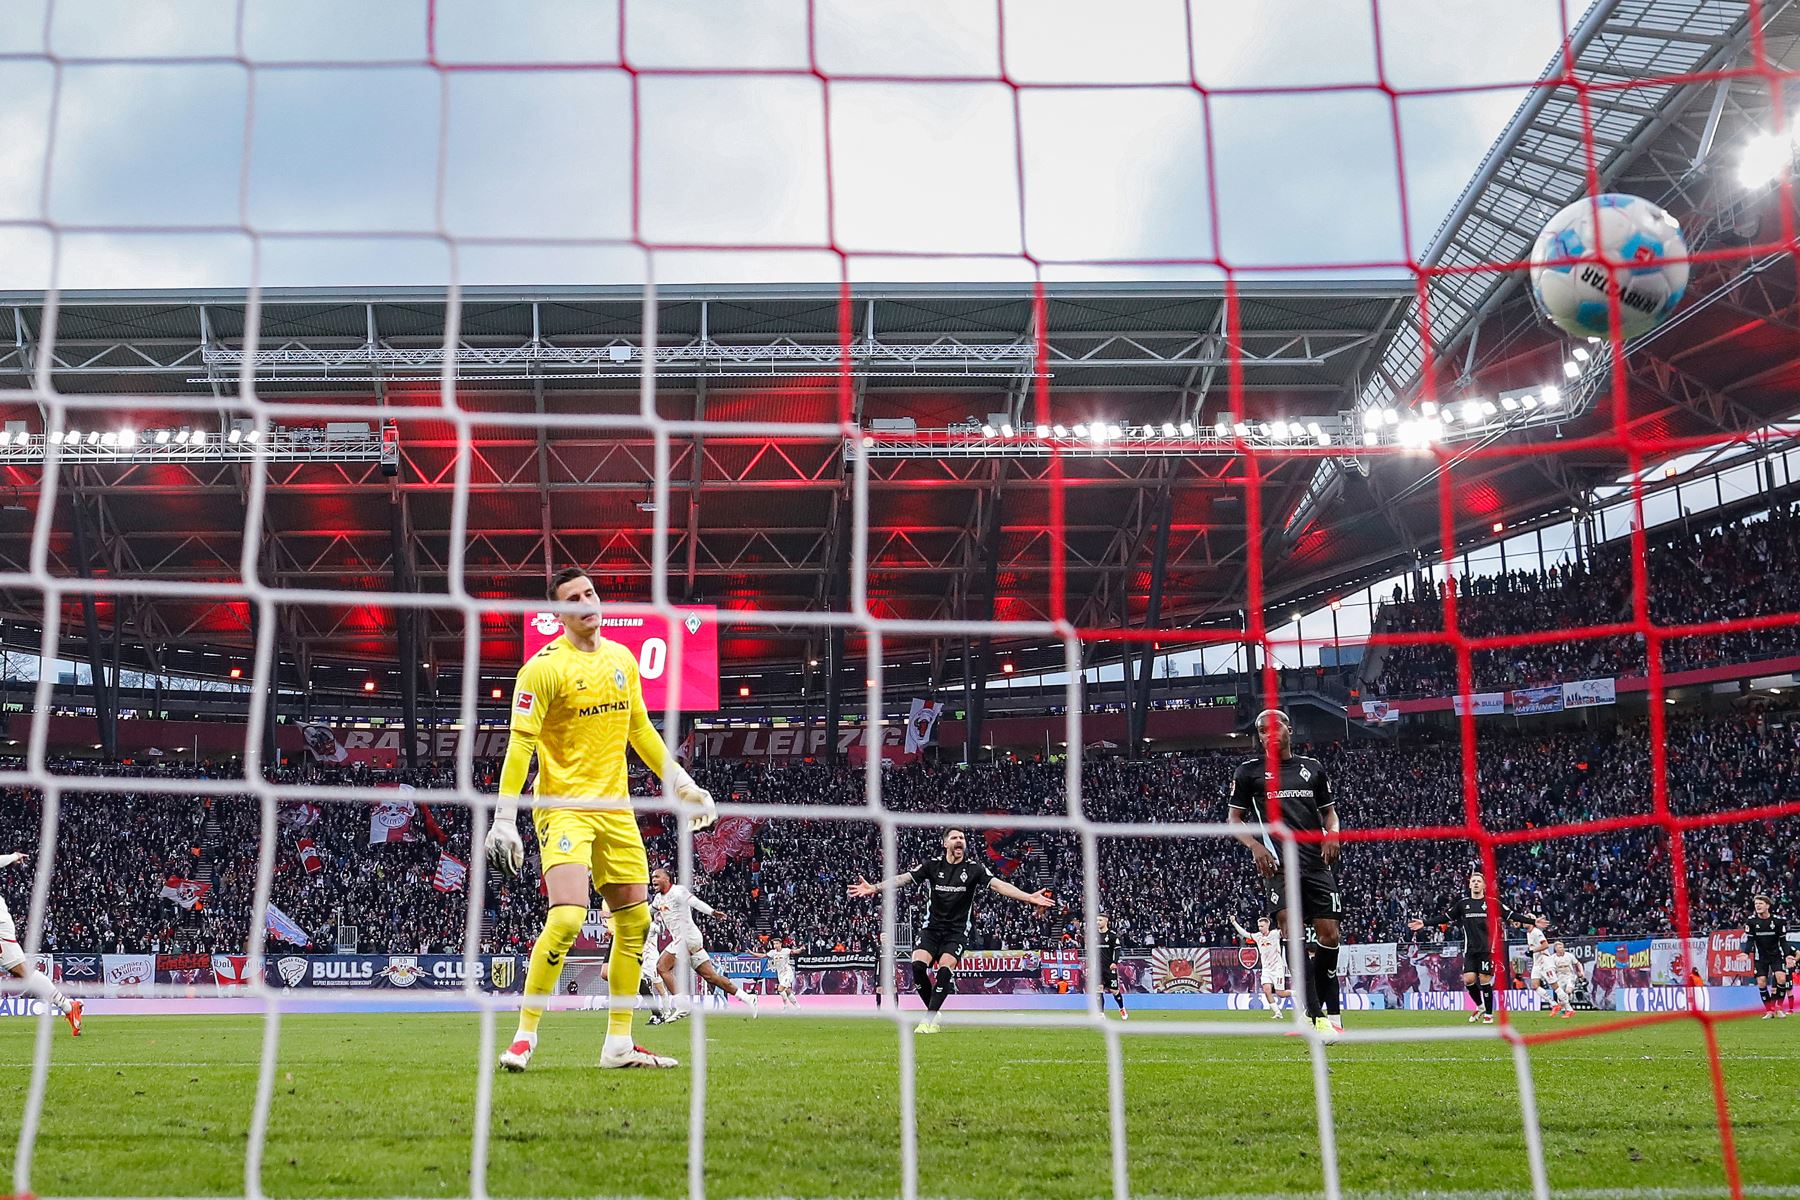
(1337, 650)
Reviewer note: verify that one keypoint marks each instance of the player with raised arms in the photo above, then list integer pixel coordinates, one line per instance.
(14, 963)
(1481, 953)
(1306, 806)
(577, 704)
(953, 880)
(1267, 941)
(1767, 935)
(675, 905)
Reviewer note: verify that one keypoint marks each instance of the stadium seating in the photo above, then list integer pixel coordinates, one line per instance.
(115, 849)
(1741, 569)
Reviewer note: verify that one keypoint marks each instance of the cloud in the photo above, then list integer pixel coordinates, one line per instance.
(917, 168)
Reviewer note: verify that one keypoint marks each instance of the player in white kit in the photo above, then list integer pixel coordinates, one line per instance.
(1274, 967)
(1565, 969)
(674, 907)
(1543, 978)
(781, 957)
(14, 963)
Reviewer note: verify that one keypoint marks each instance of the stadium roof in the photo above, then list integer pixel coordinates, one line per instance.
(758, 517)
(1723, 368)
(759, 502)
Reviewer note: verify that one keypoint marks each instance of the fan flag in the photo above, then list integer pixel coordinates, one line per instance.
(451, 872)
(391, 820)
(732, 837)
(919, 723)
(184, 892)
(309, 856)
(284, 927)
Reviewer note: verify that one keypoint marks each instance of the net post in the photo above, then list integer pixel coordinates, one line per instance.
(1528, 1110)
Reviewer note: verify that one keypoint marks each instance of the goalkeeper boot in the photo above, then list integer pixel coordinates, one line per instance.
(73, 1017)
(619, 1052)
(517, 1055)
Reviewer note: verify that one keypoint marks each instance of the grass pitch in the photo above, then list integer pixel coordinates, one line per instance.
(383, 1106)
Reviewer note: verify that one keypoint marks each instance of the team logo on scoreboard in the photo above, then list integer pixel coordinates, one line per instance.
(503, 972)
(292, 970)
(692, 623)
(546, 623)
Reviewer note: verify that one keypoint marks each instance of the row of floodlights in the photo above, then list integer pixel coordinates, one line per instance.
(1101, 432)
(127, 439)
(1435, 419)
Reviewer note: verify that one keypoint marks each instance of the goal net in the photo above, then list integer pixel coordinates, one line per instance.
(971, 416)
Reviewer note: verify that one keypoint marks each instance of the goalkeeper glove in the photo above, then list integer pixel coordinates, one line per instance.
(505, 851)
(692, 795)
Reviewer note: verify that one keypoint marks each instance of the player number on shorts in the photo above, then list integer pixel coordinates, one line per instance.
(653, 658)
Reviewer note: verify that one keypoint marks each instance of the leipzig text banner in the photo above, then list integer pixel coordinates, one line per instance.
(648, 636)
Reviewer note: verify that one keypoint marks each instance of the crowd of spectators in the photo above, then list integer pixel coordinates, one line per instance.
(1694, 576)
(787, 877)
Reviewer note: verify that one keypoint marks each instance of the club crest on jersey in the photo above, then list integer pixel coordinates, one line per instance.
(564, 844)
(525, 702)
(692, 623)
(618, 677)
(1305, 774)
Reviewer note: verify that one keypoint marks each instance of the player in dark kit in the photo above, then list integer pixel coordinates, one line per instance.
(1305, 806)
(1109, 966)
(1767, 934)
(1480, 951)
(953, 881)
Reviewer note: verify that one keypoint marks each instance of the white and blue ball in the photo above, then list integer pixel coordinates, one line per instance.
(1570, 280)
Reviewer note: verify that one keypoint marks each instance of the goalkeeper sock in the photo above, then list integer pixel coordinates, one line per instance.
(631, 926)
(922, 981)
(561, 924)
(1325, 968)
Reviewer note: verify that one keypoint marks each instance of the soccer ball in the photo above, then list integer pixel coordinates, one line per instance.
(1572, 294)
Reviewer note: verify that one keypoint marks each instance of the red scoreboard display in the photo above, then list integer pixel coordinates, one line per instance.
(648, 636)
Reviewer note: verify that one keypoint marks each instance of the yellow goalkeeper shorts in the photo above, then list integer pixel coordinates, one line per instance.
(607, 843)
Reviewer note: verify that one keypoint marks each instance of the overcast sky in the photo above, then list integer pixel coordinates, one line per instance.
(414, 153)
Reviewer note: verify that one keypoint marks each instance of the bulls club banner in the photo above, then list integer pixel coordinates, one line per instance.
(648, 636)
(425, 972)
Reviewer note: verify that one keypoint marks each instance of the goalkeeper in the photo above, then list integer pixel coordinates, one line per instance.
(576, 704)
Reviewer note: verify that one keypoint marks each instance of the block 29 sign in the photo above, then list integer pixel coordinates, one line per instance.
(648, 636)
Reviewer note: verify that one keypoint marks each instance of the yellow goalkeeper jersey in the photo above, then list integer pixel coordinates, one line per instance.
(577, 711)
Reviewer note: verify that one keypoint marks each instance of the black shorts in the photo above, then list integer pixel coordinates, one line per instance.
(939, 942)
(1766, 967)
(1320, 896)
(1478, 962)
(1109, 977)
